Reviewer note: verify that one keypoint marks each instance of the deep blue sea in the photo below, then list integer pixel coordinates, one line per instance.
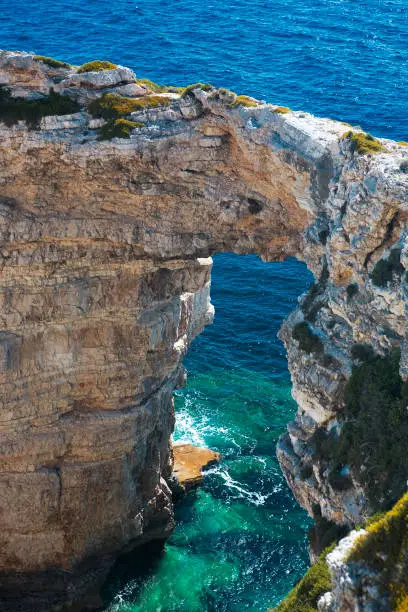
(240, 540)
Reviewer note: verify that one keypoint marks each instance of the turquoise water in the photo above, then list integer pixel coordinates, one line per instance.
(240, 540)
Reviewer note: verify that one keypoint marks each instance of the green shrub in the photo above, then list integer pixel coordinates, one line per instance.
(118, 128)
(305, 595)
(384, 548)
(13, 110)
(352, 290)
(385, 270)
(281, 110)
(244, 101)
(362, 143)
(50, 61)
(190, 88)
(338, 481)
(402, 143)
(96, 66)
(362, 352)
(375, 431)
(308, 341)
(113, 106)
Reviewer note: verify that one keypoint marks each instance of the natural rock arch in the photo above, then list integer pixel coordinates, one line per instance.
(105, 280)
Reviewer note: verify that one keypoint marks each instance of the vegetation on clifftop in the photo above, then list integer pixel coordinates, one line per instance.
(384, 548)
(50, 61)
(119, 128)
(114, 106)
(362, 143)
(13, 110)
(97, 66)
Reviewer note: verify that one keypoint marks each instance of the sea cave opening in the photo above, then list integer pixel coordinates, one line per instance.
(240, 540)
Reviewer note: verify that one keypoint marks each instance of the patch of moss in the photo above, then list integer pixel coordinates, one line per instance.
(305, 595)
(384, 548)
(281, 110)
(190, 88)
(363, 144)
(50, 61)
(308, 341)
(118, 128)
(385, 270)
(13, 110)
(97, 66)
(113, 106)
(244, 101)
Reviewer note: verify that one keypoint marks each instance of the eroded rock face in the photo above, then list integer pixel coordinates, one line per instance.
(105, 281)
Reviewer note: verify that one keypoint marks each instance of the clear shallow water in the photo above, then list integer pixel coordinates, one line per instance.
(239, 541)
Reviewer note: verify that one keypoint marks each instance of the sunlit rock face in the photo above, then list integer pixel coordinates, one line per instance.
(105, 280)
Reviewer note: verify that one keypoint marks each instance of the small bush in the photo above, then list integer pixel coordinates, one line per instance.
(338, 481)
(96, 66)
(308, 341)
(363, 144)
(190, 88)
(305, 595)
(402, 143)
(50, 61)
(13, 110)
(113, 106)
(385, 270)
(404, 167)
(352, 291)
(362, 352)
(119, 128)
(281, 110)
(244, 101)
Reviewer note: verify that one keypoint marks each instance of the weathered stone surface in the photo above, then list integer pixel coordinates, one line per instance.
(189, 461)
(104, 282)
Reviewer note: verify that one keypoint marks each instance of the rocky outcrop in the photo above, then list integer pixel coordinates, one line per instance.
(189, 462)
(105, 281)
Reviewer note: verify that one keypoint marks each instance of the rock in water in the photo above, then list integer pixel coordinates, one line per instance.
(189, 461)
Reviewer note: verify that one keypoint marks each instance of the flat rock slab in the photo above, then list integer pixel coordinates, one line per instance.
(189, 461)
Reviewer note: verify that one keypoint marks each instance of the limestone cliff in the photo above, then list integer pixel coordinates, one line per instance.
(105, 279)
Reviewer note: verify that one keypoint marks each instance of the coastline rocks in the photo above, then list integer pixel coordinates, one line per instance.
(105, 281)
(189, 461)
